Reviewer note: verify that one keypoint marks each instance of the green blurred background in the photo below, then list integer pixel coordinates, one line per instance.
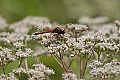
(62, 11)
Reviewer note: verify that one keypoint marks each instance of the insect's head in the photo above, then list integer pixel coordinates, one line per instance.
(63, 31)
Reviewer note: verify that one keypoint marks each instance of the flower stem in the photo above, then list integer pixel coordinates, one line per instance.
(3, 69)
(80, 59)
(85, 66)
(21, 60)
(26, 67)
(57, 60)
(26, 64)
(71, 60)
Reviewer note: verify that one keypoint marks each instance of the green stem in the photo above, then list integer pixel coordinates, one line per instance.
(85, 67)
(26, 67)
(71, 60)
(63, 64)
(37, 59)
(21, 60)
(26, 64)
(3, 69)
(60, 62)
(57, 60)
(80, 59)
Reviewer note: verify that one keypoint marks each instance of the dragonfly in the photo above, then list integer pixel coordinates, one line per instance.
(57, 30)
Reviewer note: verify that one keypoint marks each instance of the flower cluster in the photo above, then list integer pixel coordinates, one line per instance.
(14, 46)
(19, 70)
(24, 25)
(99, 69)
(3, 77)
(69, 76)
(23, 54)
(77, 27)
(15, 38)
(92, 21)
(39, 72)
(6, 56)
(99, 42)
(10, 77)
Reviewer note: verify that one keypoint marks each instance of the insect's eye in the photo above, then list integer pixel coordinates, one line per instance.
(63, 31)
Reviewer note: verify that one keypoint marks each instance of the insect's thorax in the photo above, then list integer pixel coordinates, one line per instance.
(59, 30)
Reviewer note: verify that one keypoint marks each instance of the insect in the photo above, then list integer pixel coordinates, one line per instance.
(57, 30)
(70, 29)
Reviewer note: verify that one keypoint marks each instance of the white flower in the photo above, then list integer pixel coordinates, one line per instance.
(13, 37)
(113, 67)
(24, 54)
(69, 76)
(19, 70)
(39, 72)
(106, 70)
(36, 75)
(43, 68)
(6, 56)
(107, 29)
(95, 64)
(57, 48)
(12, 76)
(18, 44)
(35, 20)
(43, 26)
(3, 23)
(20, 27)
(23, 26)
(3, 77)
(89, 20)
(77, 27)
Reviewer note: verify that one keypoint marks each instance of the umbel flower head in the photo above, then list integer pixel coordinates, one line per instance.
(106, 70)
(69, 76)
(3, 77)
(13, 37)
(24, 25)
(6, 56)
(38, 72)
(23, 54)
